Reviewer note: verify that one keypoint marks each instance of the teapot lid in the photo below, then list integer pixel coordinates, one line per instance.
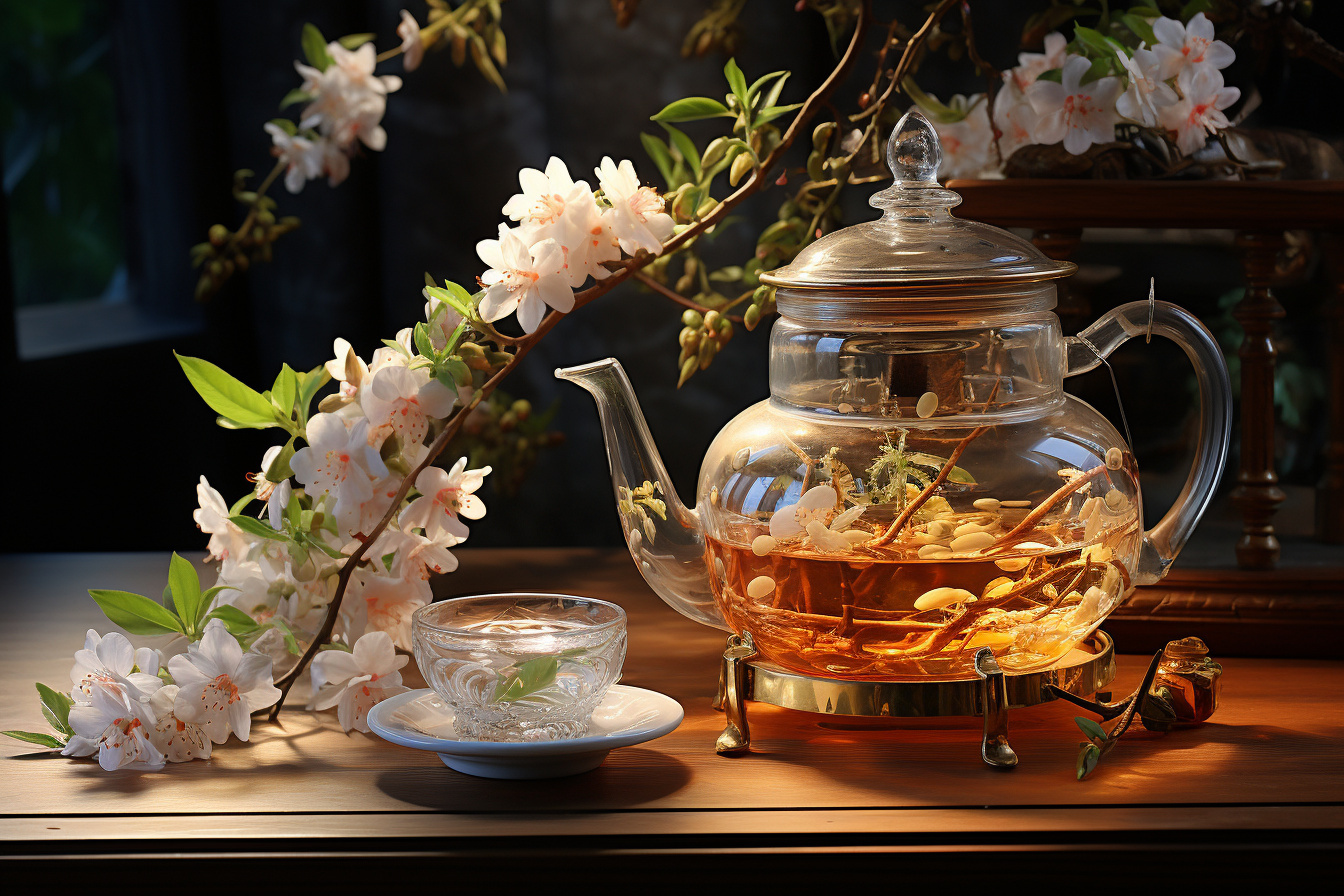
(917, 242)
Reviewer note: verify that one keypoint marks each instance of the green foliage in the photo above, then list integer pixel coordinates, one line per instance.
(32, 737)
(239, 406)
(525, 679)
(56, 709)
(136, 613)
(315, 47)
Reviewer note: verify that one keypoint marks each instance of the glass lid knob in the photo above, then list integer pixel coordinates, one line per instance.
(914, 154)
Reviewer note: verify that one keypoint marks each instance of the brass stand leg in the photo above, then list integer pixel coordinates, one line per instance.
(1258, 494)
(736, 736)
(994, 748)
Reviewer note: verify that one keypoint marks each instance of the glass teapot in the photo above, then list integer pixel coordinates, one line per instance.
(918, 485)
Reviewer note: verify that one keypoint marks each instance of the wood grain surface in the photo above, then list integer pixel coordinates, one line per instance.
(1265, 772)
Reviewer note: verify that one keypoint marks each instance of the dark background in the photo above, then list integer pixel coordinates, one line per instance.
(106, 438)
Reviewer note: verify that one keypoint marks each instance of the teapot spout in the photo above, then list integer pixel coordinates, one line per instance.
(666, 538)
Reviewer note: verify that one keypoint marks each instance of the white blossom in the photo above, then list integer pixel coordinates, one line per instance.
(636, 215)
(227, 541)
(412, 44)
(523, 279)
(177, 740)
(1182, 47)
(111, 660)
(348, 98)
(220, 685)
(304, 160)
(1077, 114)
(400, 401)
(968, 143)
(354, 682)
(1014, 118)
(379, 602)
(1031, 66)
(444, 497)
(340, 462)
(1199, 112)
(116, 726)
(1146, 93)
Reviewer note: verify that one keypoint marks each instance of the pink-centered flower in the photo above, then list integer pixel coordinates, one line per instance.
(220, 686)
(339, 462)
(401, 401)
(1073, 112)
(110, 659)
(445, 496)
(177, 740)
(354, 682)
(117, 727)
(1181, 47)
(637, 215)
(304, 160)
(1015, 119)
(384, 603)
(523, 279)
(1199, 112)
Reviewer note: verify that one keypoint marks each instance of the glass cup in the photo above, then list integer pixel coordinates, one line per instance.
(520, 666)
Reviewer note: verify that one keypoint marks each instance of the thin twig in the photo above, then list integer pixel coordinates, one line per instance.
(673, 296)
(1039, 511)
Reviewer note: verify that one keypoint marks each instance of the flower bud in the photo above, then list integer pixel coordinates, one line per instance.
(691, 318)
(821, 135)
(752, 316)
(712, 319)
(708, 349)
(522, 408)
(725, 331)
(714, 152)
(688, 337)
(741, 167)
(687, 369)
(761, 295)
(218, 234)
(473, 356)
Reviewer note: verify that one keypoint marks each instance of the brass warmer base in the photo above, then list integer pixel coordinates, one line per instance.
(1089, 668)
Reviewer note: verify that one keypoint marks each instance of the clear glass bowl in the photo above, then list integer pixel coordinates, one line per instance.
(520, 667)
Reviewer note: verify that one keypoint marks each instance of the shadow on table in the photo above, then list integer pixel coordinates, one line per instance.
(629, 777)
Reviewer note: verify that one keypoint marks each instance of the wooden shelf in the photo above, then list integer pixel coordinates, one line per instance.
(1255, 795)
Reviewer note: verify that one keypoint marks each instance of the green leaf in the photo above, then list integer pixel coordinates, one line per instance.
(285, 124)
(760, 82)
(284, 391)
(1088, 757)
(422, 343)
(737, 82)
(1053, 74)
(1092, 41)
(253, 526)
(315, 47)
(1194, 8)
(225, 395)
(234, 619)
(527, 678)
(692, 108)
(293, 97)
(56, 708)
(291, 642)
(457, 298)
(355, 41)
(1139, 26)
(32, 737)
(772, 97)
(1090, 728)
(242, 502)
(453, 372)
(279, 469)
(207, 598)
(770, 113)
(185, 586)
(136, 613)
(309, 384)
(686, 147)
(661, 155)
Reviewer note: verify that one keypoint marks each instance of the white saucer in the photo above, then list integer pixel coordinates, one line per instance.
(626, 716)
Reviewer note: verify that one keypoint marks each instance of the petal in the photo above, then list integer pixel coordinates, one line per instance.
(221, 647)
(1169, 32)
(498, 302)
(546, 258)
(489, 252)
(116, 654)
(1219, 55)
(373, 652)
(436, 399)
(555, 291)
(472, 507)
(252, 671)
(240, 720)
(530, 311)
(516, 254)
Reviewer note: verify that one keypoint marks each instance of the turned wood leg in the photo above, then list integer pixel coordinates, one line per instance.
(1257, 494)
(1330, 490)
(1060, 244)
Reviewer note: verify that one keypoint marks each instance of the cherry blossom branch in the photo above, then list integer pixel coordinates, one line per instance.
(627, 269)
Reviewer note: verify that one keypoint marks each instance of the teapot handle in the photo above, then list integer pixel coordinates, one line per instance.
(1164, 541)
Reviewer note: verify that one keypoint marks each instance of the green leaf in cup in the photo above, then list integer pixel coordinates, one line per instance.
(526, 678)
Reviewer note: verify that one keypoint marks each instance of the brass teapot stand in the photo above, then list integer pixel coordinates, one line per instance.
(743, 677)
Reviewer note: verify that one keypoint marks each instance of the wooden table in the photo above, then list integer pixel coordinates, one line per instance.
(1257, 795)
